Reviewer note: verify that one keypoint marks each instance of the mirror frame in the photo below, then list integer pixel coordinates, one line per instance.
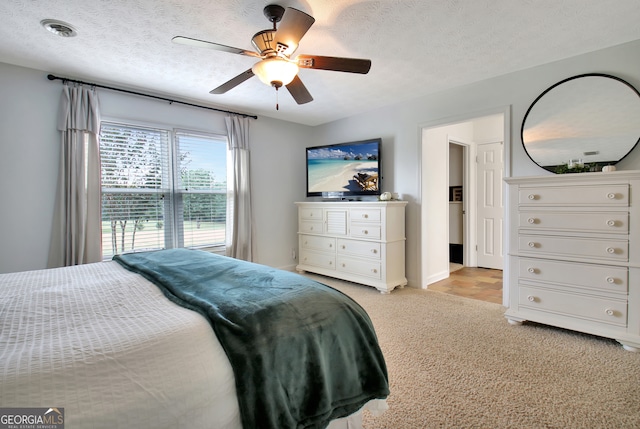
(545, 92)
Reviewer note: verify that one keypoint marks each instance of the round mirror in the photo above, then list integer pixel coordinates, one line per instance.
(582, 124)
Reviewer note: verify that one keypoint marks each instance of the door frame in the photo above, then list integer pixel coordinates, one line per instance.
(469, 237)
(428, 275)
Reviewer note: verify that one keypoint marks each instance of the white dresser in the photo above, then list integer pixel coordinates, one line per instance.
(362, 242)
(574, 253)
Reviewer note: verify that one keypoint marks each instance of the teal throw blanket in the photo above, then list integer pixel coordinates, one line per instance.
(302, 353)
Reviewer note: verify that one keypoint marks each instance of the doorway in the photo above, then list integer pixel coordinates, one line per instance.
(487, 127)
(458, 153)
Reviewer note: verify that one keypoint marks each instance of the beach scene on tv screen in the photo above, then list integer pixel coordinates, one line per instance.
(343, 168)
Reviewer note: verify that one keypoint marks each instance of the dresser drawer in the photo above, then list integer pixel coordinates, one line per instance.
(313, 242)
(317, 259)
(596, 195)
(361, 267)
(365, 230)
(310, 214)
(610, 222)
(311, 226)
(365, 249)
(602, 278)
(545, 245)
(365, 215)
(611, 311)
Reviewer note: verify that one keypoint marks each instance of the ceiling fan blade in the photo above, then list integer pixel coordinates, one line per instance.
(349, 65)
(293, 26)
(233, 82)
(298, 91)
(218, 47)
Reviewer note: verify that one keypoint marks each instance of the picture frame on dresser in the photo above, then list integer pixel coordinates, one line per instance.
(574, 253)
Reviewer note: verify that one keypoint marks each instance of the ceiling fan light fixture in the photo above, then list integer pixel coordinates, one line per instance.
(275, 70)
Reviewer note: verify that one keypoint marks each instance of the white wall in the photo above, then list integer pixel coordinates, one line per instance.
(456, 167)
(488, 129)
(29, 157)
(279, 179)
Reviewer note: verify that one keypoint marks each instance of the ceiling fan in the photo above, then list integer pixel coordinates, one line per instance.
(274, 48)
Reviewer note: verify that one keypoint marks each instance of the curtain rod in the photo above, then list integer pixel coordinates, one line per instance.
(64, 79)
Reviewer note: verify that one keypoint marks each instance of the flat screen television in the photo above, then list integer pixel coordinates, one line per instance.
(344, 169)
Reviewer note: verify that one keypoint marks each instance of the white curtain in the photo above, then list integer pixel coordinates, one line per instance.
(240, 218)
(76, 237)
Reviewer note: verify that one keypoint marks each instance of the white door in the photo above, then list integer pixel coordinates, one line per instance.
(490, 205)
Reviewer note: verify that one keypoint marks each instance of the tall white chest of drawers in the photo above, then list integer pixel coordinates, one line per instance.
(574, 253)
(362, 242)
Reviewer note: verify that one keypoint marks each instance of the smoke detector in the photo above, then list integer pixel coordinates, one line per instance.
(58, 27)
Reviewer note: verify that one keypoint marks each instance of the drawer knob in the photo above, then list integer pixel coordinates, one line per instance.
(611, 250)
(611, 280)
(374, 251)
(343, 247)
(330, 245)
(344, 265)
(532, 196)
(365, 232)
(611, 196)
(532, 298)
(330, 262)
(531, 270)
(532, 244)
(375, 271)
(531, 220)
(310, 228)
(365, 216)
(611, 222)
(610, 312)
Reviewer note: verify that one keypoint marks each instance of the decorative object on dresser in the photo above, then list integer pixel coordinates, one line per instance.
(362, 242)
(582, 123)
(574, 253)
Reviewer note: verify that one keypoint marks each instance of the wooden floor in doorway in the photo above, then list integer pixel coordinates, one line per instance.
(478, 283)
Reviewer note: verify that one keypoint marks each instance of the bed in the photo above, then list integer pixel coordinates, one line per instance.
(186, 338)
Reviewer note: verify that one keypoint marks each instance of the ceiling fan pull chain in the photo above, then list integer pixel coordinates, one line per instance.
(277, 100)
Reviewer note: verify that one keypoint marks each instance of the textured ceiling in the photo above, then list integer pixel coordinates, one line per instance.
(417, 47)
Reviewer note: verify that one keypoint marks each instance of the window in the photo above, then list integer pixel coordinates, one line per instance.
(161, 189)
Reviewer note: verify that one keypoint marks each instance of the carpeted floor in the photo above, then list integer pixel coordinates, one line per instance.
(456, 363)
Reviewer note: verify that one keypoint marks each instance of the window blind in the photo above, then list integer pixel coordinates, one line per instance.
(135, 167)
(201, 191)
(161, 189)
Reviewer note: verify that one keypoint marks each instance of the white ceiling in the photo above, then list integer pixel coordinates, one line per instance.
(417, 47)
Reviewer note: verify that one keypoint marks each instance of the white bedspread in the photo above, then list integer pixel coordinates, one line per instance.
(105, 344)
